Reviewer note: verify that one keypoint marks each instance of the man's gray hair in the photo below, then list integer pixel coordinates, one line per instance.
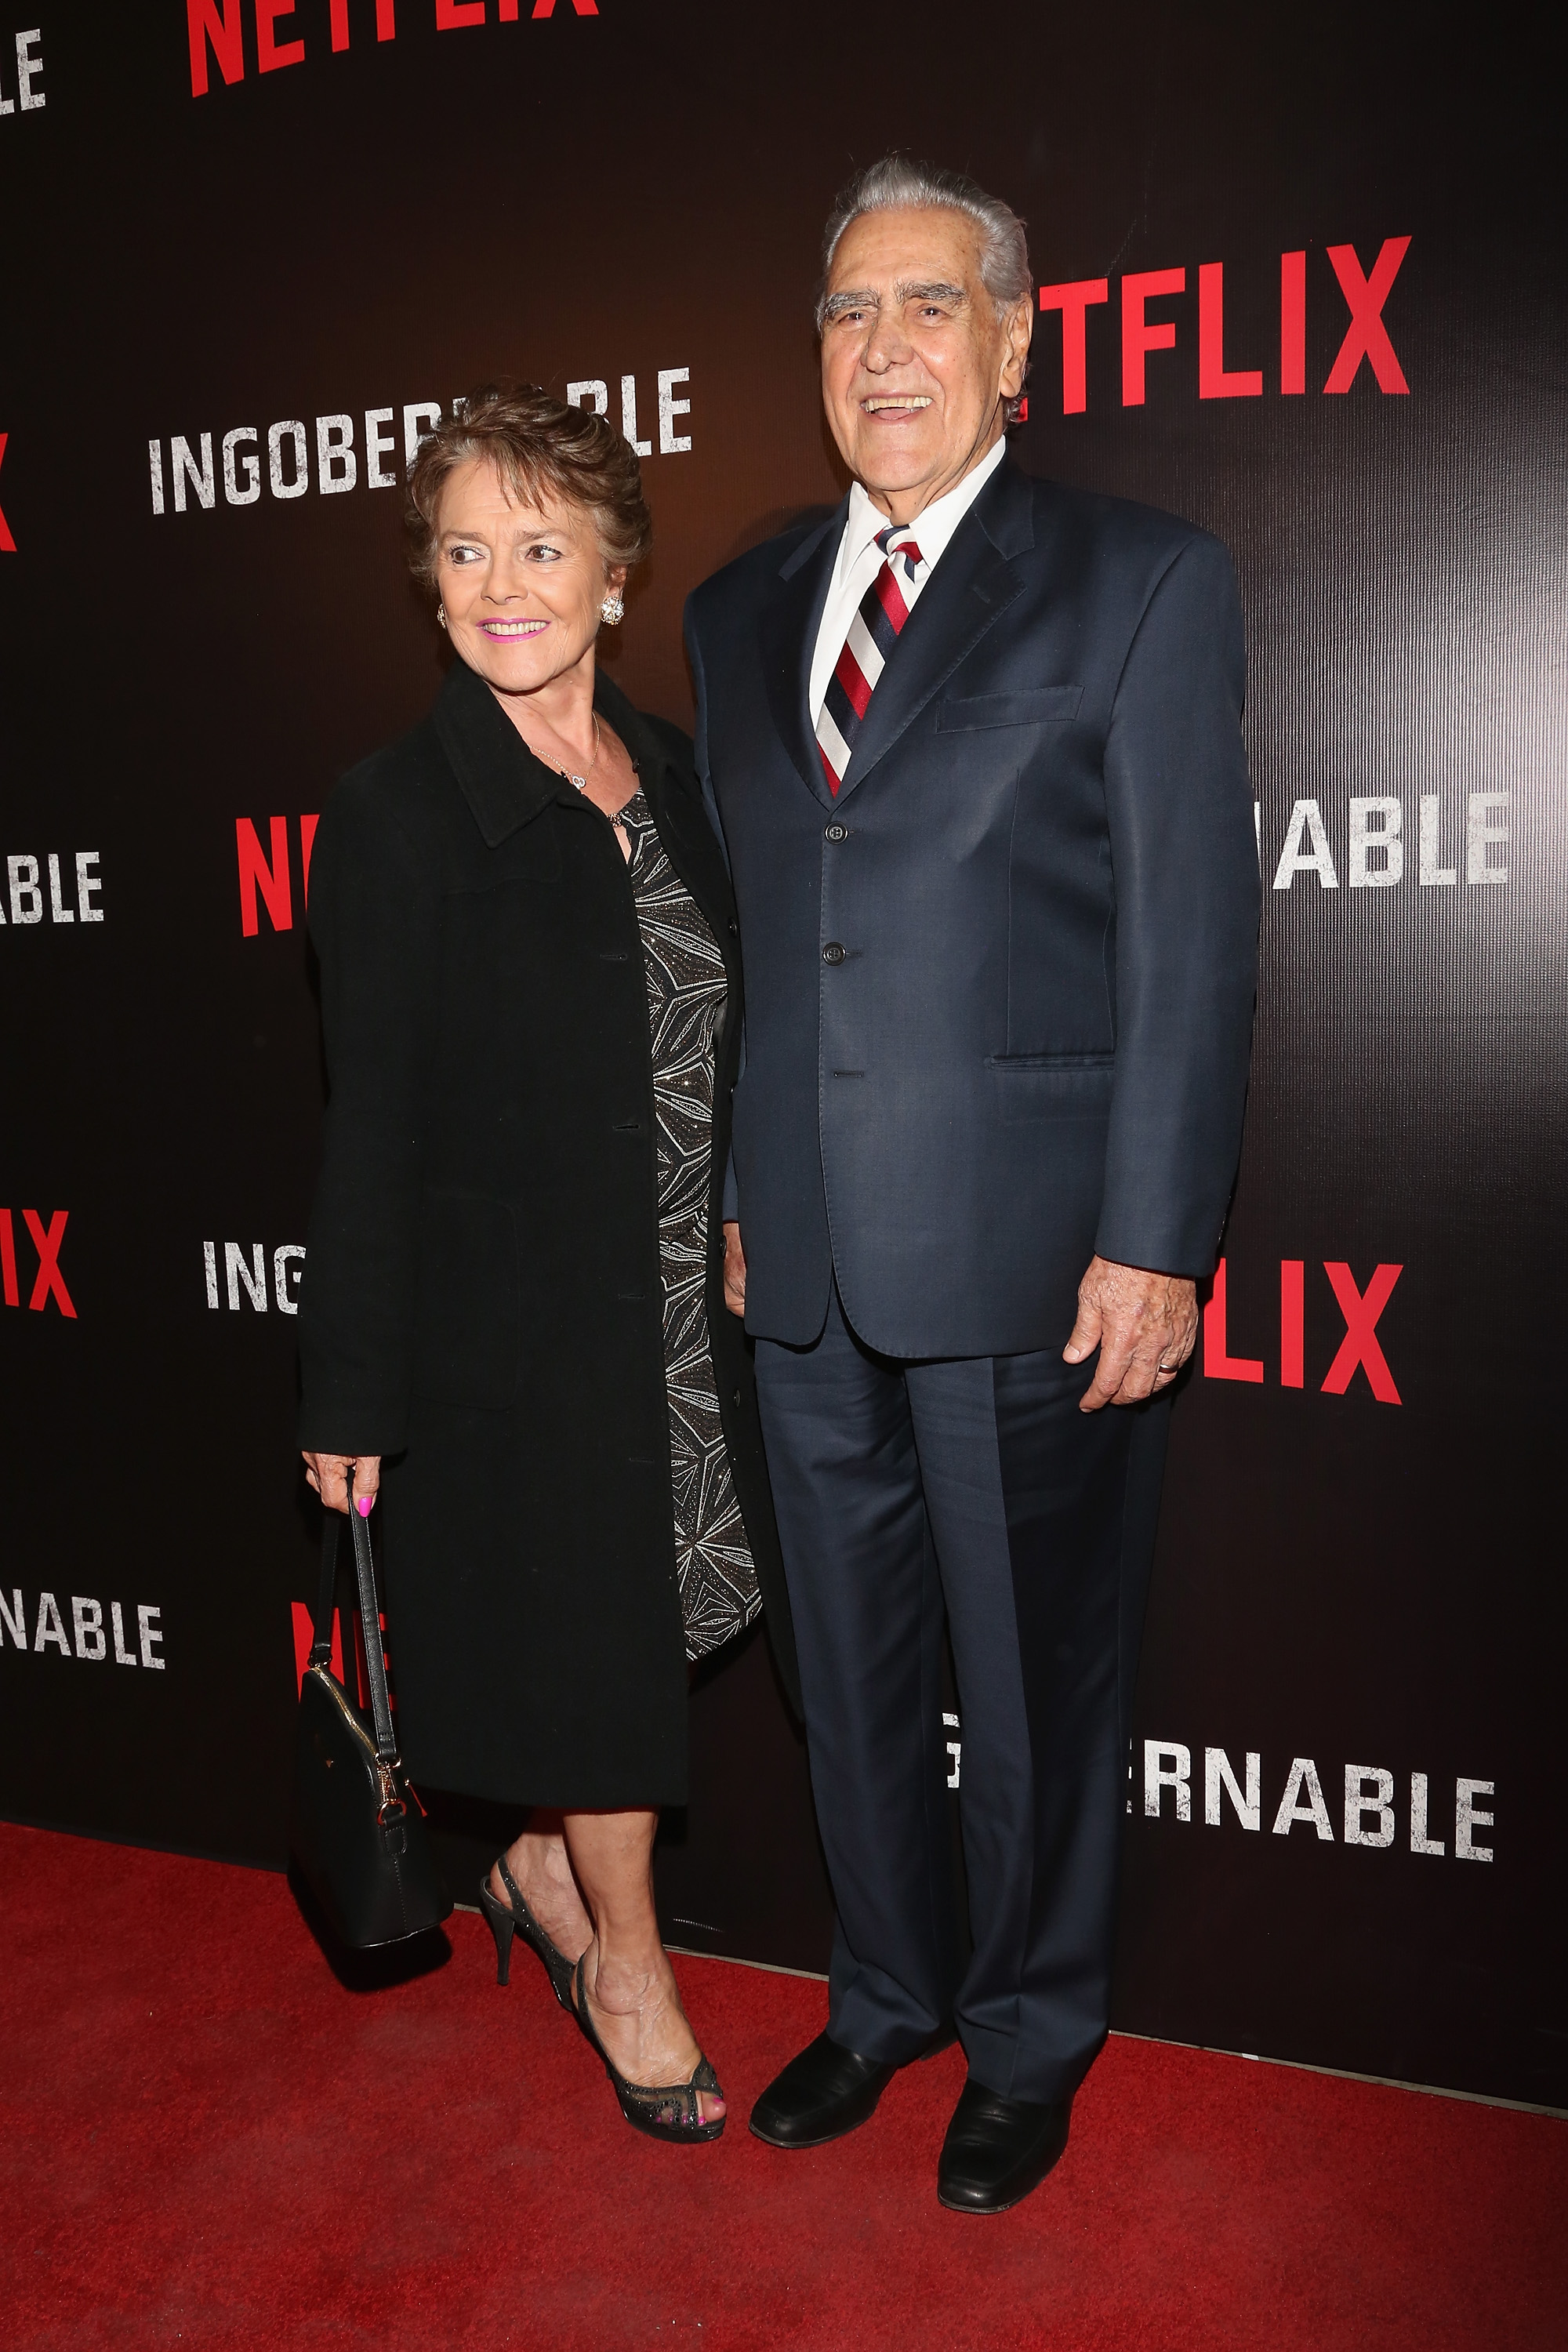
(899, 184)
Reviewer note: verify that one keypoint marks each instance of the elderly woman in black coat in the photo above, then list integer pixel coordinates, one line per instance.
(512, 1328)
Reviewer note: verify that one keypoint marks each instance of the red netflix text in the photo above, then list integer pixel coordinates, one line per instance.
(48, 1283)
(305, 1635)
(219, 29)
(264, 873)
(1360, 1349)
(1364, 339)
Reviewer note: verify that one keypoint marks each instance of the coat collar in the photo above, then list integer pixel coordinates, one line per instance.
(503, 784)
(973, 583)
(647, 753)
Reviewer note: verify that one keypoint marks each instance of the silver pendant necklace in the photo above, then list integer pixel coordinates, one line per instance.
(582, 782)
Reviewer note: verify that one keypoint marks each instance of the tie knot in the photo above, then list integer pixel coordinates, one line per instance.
(906, 549)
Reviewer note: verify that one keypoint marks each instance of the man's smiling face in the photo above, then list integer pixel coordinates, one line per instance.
(916, 364)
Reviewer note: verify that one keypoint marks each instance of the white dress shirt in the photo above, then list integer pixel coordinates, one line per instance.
(860, 560)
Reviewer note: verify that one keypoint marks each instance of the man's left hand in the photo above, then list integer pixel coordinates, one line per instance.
(734, 1269)
(1144, 1325)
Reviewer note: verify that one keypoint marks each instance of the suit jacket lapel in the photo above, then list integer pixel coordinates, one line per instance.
(788, 630)
(973, 583)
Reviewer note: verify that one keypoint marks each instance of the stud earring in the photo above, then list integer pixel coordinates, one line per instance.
(613, 609)
(441, 614)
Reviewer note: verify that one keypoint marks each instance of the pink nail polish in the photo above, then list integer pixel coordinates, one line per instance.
(362, 1504)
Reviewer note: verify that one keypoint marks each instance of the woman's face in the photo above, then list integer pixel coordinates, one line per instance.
(521, 585)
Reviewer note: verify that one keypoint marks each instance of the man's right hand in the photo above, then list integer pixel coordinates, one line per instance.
(328, 1474)
(734, 1269)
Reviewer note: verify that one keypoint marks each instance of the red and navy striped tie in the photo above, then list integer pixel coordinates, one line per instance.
(873, 633)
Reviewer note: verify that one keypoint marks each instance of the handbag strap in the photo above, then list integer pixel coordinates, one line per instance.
(370, 1621)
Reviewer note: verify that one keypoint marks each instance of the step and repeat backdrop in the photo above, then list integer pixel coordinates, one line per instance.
(1295, 282)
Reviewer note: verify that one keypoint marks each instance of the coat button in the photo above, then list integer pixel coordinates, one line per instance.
(734, 929)
(836, 833)
(832, 952)
(736, 1398)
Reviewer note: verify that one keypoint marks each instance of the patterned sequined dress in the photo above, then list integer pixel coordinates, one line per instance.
(685, 993)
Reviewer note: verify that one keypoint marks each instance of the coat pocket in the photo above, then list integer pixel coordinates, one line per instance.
(467, 1342)
(1063, 1088)
(1040, 706)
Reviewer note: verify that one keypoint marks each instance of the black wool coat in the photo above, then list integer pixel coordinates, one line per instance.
(482, 1302)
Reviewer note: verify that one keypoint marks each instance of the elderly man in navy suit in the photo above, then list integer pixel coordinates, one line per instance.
(974, 748)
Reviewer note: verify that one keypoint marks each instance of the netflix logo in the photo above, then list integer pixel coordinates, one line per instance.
(1370, 1813)
(1359, 1350)
(49, 1284)
(273, 34)
(305, 1635)
(266, 879)
(1144, 333)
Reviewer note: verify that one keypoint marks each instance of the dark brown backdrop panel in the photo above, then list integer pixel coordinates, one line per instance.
(1358, 1562)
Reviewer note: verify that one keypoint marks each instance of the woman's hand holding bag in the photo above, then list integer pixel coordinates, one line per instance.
(355, 1827)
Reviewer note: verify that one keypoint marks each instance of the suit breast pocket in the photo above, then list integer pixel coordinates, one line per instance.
(468, 1343)
(1039, 705)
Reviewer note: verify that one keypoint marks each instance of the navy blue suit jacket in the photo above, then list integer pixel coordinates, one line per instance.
(1041, 870)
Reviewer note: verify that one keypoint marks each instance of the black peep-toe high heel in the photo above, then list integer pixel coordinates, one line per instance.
(507, 1919)
(664, 2111)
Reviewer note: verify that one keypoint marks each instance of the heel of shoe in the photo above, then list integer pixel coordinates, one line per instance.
(503, 1927)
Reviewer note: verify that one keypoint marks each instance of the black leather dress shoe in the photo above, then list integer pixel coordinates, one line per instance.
(820, 2096)
(997, 2149)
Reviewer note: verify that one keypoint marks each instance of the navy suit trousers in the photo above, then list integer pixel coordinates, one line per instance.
(970, 1493)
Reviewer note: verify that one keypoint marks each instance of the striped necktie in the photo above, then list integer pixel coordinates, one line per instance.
(873, 633)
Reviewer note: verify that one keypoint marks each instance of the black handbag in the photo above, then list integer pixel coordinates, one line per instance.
(354, 1827)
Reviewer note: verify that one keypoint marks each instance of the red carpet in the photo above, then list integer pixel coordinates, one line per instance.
(209, 2141)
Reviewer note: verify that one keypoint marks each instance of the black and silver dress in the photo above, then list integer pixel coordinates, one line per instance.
(685, 993)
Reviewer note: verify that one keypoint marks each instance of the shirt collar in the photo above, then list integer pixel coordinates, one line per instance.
(933, 526)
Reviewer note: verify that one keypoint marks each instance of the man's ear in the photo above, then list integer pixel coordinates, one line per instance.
(1018, 333)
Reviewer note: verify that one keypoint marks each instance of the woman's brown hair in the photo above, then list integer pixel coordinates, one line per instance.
(544, 452)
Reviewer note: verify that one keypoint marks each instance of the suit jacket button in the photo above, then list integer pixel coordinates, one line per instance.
(836, 833)
(832, 952)
(734, 930)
